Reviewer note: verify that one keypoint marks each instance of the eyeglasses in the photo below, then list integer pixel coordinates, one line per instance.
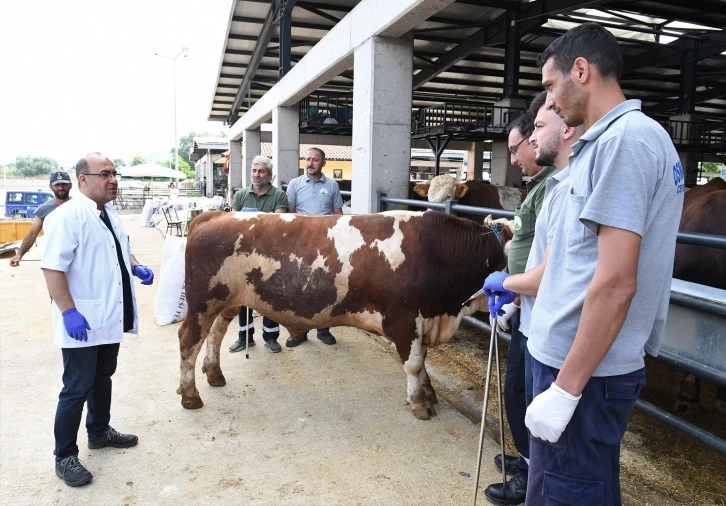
(513, 151)
(104, 174)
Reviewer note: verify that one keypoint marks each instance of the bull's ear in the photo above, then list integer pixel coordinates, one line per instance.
(460, 190)
(422, 189)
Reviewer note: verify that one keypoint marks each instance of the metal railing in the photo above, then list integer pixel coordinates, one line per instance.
(448, 117)
(697, 304)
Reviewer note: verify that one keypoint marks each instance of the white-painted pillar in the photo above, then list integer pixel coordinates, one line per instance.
(235, 174)
(251, 147)
(382, 90)
(285, 144)
(475, 161)
(209, 173)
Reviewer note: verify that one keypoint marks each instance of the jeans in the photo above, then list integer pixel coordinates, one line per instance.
(583, 466)
(86, 379)
(514, 390)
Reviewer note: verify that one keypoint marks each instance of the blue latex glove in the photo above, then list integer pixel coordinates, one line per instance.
(76, 324)
(250, 210)
(498, 295)
(145, 274)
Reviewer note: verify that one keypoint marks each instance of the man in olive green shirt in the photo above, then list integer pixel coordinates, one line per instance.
(525, 216)
(259, 196)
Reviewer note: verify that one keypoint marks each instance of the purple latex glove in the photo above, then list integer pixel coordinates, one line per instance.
(145, 274)
(76, 324)
(498, 295)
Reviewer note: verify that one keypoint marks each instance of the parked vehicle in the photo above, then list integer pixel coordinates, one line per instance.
(21, 204)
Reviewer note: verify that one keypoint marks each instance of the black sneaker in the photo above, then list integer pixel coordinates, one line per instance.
(325, 336)
(72, 472)
(113, 438)
(273, 346)
(293, 341)
(240, 345)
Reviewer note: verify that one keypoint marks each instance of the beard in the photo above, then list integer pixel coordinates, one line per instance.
(548, 153)
(61, 194)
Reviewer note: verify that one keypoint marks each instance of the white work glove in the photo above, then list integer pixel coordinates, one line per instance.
(503, 320)
(550, 412)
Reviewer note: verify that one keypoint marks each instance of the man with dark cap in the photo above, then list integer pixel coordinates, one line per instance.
(60, 185)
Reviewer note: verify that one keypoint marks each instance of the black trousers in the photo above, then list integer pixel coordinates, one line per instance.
(515, 401)
(86, 380)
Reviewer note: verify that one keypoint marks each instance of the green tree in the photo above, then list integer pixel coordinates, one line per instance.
(710, 167)
(119, 162)
(183, 166)
(138, 160)
(32, 166)
(187, 141)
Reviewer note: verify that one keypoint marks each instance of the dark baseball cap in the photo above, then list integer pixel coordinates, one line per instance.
(59, 176)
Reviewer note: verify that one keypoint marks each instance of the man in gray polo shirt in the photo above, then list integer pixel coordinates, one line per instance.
(60, 184)
(313, 193)
(603, 299)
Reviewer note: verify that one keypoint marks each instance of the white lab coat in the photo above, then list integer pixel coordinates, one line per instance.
(81, 245)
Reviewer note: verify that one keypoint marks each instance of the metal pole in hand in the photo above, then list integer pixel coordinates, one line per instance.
(492, 344)
(501, 406)
(247, 333)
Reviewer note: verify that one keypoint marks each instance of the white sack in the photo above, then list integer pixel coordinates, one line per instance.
(170, 305)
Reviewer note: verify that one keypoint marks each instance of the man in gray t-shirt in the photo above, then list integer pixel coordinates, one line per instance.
(603, 299)
(60, 184)
(313, 193)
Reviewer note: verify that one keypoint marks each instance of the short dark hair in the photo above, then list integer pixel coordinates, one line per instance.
(537, 102)
(82, 164)
(590, 41)
(322, 153)
(524, 123)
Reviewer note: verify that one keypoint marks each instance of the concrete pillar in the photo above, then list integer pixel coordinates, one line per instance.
(285, 144)
(209, 173)
(382, 89)
(234, 176)
(685, 130)
(475, 161)
(503, 172)
(251, 147)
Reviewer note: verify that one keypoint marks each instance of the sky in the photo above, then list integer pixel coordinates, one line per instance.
(80, 75)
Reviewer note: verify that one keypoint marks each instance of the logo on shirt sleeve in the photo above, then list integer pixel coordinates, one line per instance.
(679, 178)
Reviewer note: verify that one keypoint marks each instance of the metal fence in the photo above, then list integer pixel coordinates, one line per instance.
(680, 353)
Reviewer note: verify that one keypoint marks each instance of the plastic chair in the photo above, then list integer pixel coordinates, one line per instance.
(173, 221)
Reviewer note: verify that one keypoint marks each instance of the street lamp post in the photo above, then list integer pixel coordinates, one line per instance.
(182, 53)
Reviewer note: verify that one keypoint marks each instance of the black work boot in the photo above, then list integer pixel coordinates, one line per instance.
(72, 472)
(240, 344)
(326, 337)
(512, 463)
(511, 492)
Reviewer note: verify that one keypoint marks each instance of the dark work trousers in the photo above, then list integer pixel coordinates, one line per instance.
(583, 466)
(515, 401)
(86, 379)
(270, 329)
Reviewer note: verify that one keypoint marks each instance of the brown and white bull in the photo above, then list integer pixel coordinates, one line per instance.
(400, 274)
(470, 193)
(704, 209)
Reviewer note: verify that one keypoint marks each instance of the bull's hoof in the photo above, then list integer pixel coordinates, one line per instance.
(431, 397)
(215, 377)
(423, 412)
(687, 408)
(192, 402)
(720, 406)
(216, 380)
